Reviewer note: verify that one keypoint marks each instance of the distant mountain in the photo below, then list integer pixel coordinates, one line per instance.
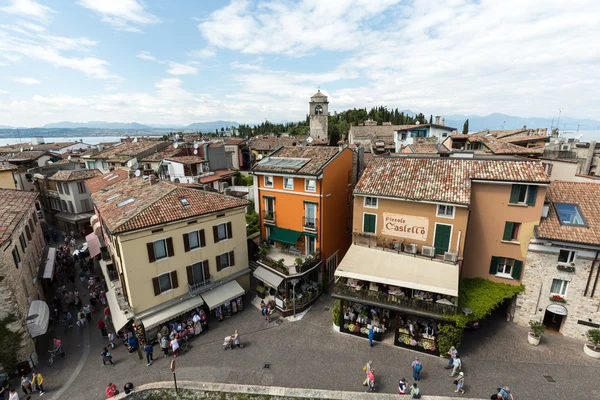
(211, 126)
(6, 127)
(503, 121)
(96, 125)
(164, 126)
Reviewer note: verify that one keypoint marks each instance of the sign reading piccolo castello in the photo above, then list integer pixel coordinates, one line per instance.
(405, 226)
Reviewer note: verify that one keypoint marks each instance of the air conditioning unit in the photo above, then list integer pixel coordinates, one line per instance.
(450, 257)
(410, 248)
(428, 251)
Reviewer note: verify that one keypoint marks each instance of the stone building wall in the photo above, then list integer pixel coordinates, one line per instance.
(18, 286)
(539, 271)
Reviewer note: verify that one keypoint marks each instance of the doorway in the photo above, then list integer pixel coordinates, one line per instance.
(553, 321)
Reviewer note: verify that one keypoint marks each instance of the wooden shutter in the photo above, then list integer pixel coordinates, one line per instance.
(205, 269)
(190, 274)
(514, 194)
(508, 228)
(31, 226)
(216, 233)
(218, 263)
(174, 282)
(186, 242)
(516, 269)
(369, 223)
(151, 256)
(156, 286)
(229, 231)
(170, 251)
(202, 238)
(231, 259)
(531, 195)
(494, 266)
(28, 232)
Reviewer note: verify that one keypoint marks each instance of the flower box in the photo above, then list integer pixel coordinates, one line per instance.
(558, 298)
(566, 268)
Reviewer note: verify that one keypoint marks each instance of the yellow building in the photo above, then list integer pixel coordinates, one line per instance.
(173, 250)
(7, 176)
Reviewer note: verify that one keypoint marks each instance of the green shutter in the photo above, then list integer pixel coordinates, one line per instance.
(514, 194)
(369, 223)
(531, 195)
(442, 238)
(508, 228)
(516, 270)
(494, 265)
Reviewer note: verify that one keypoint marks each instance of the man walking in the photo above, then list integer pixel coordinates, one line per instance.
(38, 382)
(106, 357)
(456, 365)
(417, 367)
(452, 353)
(102, 328)
(164, 344)
(148, 349)
(88, 312)
(371, 335)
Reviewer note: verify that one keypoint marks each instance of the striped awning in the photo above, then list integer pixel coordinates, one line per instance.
(93, 244)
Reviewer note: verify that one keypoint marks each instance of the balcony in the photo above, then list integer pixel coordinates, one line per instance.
(288, 261)
(53, 194)
(200, 287)
(269, 216)
(310, 223)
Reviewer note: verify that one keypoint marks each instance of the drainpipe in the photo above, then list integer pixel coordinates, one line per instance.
(596, 280)
(587, 285)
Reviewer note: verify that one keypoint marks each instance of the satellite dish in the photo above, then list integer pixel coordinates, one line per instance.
(69, 158)
(138, 173)
(259, 157)
(417, 123)
(21, 149)
(309, 139)
(195, 145)
(176, 145)
(30, 147)
(135, 140)
(195, 151)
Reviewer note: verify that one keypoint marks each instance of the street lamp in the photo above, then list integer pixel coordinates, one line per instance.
(294, 283)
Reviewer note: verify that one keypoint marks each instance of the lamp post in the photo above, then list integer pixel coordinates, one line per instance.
(294, 283)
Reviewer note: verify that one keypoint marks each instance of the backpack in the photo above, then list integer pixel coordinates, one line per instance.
(418, 367)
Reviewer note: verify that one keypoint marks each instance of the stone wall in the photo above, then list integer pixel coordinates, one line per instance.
(539, 271)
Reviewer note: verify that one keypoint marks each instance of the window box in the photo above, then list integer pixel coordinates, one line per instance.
(558, 298)
(565, 268)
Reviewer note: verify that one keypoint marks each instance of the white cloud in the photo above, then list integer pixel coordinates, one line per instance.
(207, 52)
(145, 55)
(126, 15)
(25, 80)
(176, 68)
(28, 8)
(4, 93)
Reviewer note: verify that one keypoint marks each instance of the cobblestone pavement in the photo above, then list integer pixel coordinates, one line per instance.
(310, 354)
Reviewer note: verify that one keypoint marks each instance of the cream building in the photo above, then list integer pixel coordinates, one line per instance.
(173, 249)
(7, 175)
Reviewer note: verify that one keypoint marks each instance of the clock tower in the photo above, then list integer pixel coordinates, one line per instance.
(318, 116)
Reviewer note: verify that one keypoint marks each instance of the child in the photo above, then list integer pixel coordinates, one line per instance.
(402, 386)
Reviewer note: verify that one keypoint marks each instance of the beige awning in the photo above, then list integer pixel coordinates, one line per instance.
(119, 317)
(270, 278)
(171, 312)
(93, 220)
(401, 270)
(38, 318)
(222, 294)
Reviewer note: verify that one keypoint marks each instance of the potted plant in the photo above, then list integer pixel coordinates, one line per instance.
(592, 349)
(558, 298)
(260, 291)
(535, 333)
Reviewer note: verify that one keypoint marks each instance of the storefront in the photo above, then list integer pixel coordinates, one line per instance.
(224, 300)
(358, 318)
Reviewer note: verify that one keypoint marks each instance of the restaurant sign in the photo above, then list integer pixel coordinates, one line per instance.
(405, 226)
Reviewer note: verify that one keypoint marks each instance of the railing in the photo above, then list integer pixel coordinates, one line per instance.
(306, 299)
(309, 223)
(53, 193)
(393, 300)
(200, 286)
(269, 216)
(307, 263)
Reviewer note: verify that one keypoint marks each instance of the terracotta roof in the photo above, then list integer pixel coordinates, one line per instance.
(105, 180)
(14, 206)
(23, 155)
(587, 197)
(187, 159)
(315, 159)
(446, 180)
(218, 175)
(7, 167)
(497, 147)
(167, 152)
(144, 205)
(52, 146)
(270, 143)
(127, 149)
(79, 175)
(427, 147)
(385, 132)
(235, 141)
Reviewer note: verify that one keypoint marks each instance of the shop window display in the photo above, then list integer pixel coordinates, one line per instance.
(229, 308)
(358, 318)
(416, 332)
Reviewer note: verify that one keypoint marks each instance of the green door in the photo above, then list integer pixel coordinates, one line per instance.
(442, 238)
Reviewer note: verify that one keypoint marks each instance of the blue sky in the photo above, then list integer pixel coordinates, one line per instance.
(169, 62)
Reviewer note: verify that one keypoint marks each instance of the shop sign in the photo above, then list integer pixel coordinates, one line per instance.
(405, 226)
(557, 309)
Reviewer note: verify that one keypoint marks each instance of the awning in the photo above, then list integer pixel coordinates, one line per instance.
(93, 244)
(72, 217)
(49, 266)
(268, 277)
(93, 220)
(38, 318)
(389, 268)
(171, 312)
(222, 294)
(284, 236)
(96, 229)
(119, 317)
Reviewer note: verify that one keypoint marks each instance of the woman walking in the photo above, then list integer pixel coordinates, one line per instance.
(106, 357)
(460, 383)
(164, 345)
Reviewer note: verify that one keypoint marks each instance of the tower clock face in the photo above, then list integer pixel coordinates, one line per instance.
(319, 109)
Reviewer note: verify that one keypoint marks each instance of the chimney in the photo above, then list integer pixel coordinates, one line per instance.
(437, 119)
(443, 121)
(152, 179)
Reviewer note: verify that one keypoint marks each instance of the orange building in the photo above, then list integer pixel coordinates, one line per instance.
(304, 197)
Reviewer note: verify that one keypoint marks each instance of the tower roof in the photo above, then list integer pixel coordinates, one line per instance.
(318, 94)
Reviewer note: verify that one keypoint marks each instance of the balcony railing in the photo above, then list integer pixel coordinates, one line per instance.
(200, 286)
(269, 216)
(300, 302)
(393, 300)
(309, 223)
(280, 265)
(53, 193)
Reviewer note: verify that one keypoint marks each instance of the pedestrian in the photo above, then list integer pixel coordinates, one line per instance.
(371, 335)
(58, 347)
(128, 388)
(456, 365)
(13, 395)
(111, 340)
(106, 357)
(111, 390)
(26, 384)
(371, 378)
(460, 383)
(93, 299)
(504, 393)
(415, 392)
(237, 341)
(148, 349)
(417, 367)
(80, 319)
(164, 345)
(402, 386)
(82, 275)
(263, 308)
(452, 353)
(102, 297)
(107, 314)
(38, 382)
(175, 346)
(88, 312)
(102, 328)
(367, 369)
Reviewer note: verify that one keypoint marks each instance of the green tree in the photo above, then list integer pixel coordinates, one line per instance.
(466, 127)
(431, 118)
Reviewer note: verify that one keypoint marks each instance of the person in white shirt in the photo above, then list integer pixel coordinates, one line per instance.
(13, 394)
(175, 347)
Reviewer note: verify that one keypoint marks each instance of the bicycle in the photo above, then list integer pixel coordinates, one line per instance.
(53, 355)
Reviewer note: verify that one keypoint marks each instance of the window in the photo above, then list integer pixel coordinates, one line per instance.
(85, 205)
(445, 211)
(23, 243)
(268, 181)
(66, 188)
(288, 183)
(225, 260)
(566, 256)
(371, 202)
(311, 245)
(310, 185)
(28, 233)
(506, 267)
(70, 206)
(81, 187)
(559, 287)
(16, 257)
(222, 232)
(198, 273)
(511, 231)
(35, 220)
(402, 136)
(523, 194)
(184, 201)
(310, 215)
(160, 249)
(194, 240)
(59, 187)
(369, 223)
(63, 205)
(91, 164)
(125, 202)
(569, 214)
(165, 282)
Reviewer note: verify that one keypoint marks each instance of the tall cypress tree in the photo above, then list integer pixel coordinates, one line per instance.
(466, 127)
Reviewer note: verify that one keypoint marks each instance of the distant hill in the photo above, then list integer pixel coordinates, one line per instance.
(6, 127)
(503, 121)
(211, 126)
(96, 125)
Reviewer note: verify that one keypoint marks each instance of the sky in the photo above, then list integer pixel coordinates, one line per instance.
(178, 62)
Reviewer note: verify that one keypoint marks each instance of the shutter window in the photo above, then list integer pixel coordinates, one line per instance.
(494, 265)
(156, 286)
(218, 258)
(216, 233)
(202, 238)
(174, 282)
(28, 233)
(514, 194)
(170, 251)
(205, 269)
(508, 229)
(369, 223)
(190, 274)
(151, 256)
(231, 259)
(516, 270)
(531, 195)
(229, 231)
(186, 242)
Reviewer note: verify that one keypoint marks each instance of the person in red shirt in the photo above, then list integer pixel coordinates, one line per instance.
(107, 314)
(102, 328)
(111, 390)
